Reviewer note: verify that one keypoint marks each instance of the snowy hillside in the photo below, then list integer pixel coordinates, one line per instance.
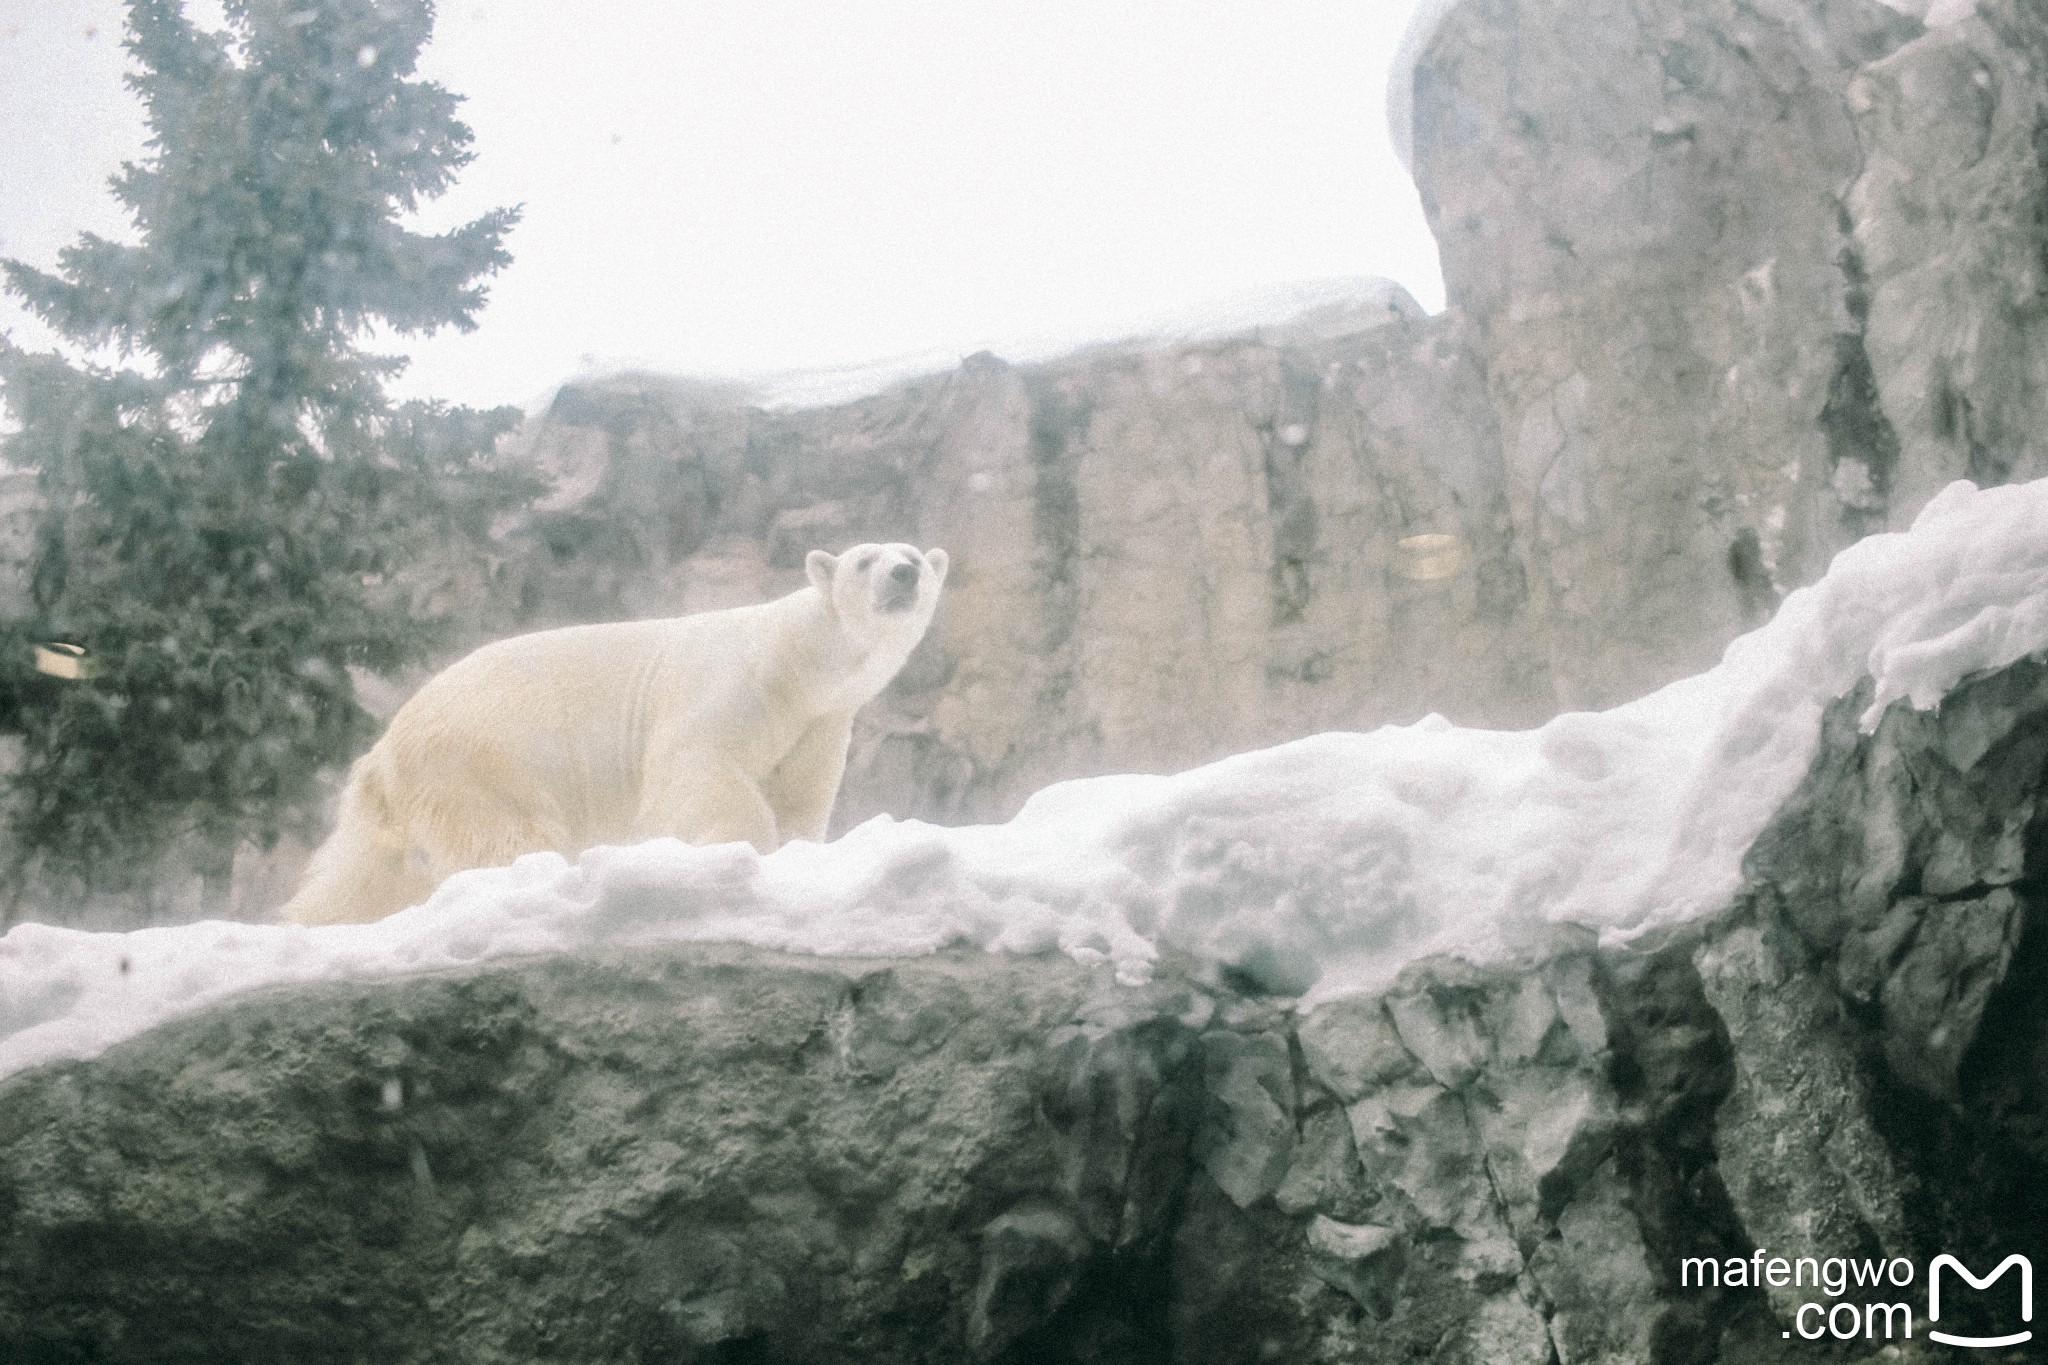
(1318, 867)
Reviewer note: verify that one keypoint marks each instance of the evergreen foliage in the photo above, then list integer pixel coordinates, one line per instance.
(222, 510)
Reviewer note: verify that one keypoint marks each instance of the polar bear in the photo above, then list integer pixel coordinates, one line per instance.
(719, 727)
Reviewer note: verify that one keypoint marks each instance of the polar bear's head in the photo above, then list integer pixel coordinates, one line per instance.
(880, 589)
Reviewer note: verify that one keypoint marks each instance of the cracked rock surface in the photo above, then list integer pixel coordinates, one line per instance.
(1732, 283)
(1162, 554)
(711, 1154)
(1638, 207)
(1950, 224)
(720, 1154)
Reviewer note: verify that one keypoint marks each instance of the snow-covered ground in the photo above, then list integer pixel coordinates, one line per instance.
(1321, 866)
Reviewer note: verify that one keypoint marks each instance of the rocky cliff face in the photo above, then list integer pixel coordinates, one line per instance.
(1639, 209)
(1731, 285)
(1161, 554)
(801, 1160)
(1747, 281)
(1949, 219)
(722, 1154)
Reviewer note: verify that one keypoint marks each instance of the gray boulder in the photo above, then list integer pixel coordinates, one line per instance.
(722, 1154)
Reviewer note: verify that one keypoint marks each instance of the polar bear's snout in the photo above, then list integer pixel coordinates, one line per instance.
(897, 589)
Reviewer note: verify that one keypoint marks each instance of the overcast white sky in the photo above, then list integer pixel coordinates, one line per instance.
(754, 186)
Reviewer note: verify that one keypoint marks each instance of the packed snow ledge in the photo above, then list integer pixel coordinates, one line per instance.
(1319, 867)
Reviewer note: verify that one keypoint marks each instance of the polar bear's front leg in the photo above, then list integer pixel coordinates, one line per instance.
(804, 785)
(702, 798)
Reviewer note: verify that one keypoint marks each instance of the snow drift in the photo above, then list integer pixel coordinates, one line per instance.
(1319, 867)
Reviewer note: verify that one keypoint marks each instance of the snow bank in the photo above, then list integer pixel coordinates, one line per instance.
(1321, 866)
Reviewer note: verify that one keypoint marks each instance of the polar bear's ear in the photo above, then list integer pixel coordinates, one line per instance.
(819, 566)
(938, 562)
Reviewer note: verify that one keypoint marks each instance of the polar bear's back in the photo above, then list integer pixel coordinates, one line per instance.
(533, 742)
(547, 729)
(545, 678)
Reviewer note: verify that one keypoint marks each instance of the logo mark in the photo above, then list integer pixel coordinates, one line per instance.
(2026, 1298)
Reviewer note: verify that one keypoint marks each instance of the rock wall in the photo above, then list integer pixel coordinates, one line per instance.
(714, 1153)
(1950, 224)
(1637, 206)
(1161, 555)
(1748, 281)
(1731, 285)
(1851, 1061)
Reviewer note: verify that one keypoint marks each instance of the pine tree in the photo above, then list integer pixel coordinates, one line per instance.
(224, 505)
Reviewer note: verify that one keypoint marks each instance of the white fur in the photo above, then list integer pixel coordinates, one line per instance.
(724, 726)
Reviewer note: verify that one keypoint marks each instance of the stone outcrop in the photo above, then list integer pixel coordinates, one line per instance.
(1749, 281)
(1638, 209)
(1162, 555)
(1949, 217)
(715, 1154)
(721, 1154)
(1730, 286)
(1847, 1062)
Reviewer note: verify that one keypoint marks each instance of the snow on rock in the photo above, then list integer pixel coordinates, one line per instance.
(1427, 17)
(1334, 307)
(1319, 867)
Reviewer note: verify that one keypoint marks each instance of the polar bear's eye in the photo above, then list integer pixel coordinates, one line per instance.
(866, 562)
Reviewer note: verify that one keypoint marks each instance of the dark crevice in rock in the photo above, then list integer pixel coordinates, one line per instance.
(1237, 1277)
(1290, 508)
(1058, 430)
(1095, 1286)
(1308, 1094)
(2040, 206)
(1115, 1314)
(1671, 1066)
(748, 1350)
(1753, 585)
(2004, 1078)
(1863, 447)
(1977, 1167)
(1955, 420)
